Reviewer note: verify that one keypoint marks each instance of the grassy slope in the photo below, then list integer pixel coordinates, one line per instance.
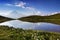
(3, 19)
(10, 33)
(35, 18)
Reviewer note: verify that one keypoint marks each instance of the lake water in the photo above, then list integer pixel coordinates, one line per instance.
(36, 26)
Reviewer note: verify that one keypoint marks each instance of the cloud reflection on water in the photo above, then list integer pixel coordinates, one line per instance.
(35, 26)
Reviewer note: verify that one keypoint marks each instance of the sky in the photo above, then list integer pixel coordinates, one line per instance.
(20, 8)
(28, 7)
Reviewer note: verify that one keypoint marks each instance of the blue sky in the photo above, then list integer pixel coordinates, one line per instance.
(20, 8)
(28, 7)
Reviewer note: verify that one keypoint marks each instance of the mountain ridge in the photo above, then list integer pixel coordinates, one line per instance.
(3, 19)
(36, 18)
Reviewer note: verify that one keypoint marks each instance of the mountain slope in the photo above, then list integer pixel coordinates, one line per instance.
(36, 18)
(55, 16)
(33, 18)
(3, 19)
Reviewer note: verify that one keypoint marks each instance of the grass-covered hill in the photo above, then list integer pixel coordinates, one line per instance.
(3, 19)
(10, 33)
(36, 18)
(55, 16)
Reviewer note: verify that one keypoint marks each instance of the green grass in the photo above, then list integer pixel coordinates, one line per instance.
(10, 33)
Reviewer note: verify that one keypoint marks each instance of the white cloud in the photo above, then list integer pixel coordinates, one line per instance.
(53, 13)
(25, 6)
(38, 13)
(20, 4)
(30, 8)
(4, 13)
(9, 4)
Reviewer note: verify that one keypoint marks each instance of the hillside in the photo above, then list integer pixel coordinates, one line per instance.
(10, 33)
(3, 19)
(36, 18)
(55, 16)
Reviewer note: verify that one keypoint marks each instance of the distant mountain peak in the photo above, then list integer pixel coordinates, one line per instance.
(14, 14)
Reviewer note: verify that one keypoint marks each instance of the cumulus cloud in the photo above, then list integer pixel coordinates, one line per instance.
(24, 5)
(20, 4)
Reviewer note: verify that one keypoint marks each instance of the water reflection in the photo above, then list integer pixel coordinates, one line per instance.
(35, 26)
(18, 24)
